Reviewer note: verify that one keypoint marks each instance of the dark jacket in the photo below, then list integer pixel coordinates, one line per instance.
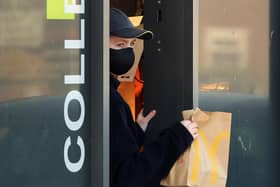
(130, 167)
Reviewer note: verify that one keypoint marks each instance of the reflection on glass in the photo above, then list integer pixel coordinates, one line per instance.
(234, 77)
(33, 63)
(32, 55)
(233, 47)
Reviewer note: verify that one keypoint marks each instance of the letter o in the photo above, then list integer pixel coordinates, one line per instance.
(74, 125)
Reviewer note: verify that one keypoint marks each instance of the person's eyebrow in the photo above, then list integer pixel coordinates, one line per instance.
(122, 40)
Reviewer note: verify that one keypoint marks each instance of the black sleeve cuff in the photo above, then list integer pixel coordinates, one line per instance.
(139, 134)
(183, 135)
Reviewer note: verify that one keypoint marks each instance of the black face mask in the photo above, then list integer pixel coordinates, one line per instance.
(121, 60)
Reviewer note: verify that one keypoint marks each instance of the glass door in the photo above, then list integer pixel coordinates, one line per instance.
(53, 101)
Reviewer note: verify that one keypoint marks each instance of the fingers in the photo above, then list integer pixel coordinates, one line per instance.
(151, 115)
(144, 121)
(192, 127)
(193, 131)
(141, 112)
(147, 118)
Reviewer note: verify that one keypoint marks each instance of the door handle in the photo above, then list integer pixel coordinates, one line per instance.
(158, 16)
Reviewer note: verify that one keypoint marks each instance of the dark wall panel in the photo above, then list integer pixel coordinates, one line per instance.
(168, 62)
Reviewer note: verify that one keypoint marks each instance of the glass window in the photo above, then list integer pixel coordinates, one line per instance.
(234, 47)
(234, 77)
(37, 146)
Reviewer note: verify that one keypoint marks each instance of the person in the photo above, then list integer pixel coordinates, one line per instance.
(133, 163)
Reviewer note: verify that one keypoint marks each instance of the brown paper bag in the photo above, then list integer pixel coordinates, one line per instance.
(205, 163)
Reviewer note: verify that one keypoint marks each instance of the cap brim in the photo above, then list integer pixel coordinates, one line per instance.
(134, 33)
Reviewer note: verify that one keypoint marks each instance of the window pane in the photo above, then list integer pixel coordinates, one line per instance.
(234, 47)
(33, 62)
(234, 77)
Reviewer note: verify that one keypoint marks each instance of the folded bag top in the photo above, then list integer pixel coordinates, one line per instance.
(195, 115)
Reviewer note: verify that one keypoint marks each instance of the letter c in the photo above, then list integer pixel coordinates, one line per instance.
(74, 167)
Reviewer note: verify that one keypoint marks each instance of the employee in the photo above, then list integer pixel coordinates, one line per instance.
(133, 163)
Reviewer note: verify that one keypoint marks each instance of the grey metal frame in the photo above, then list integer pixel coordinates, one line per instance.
(98, 35)
(195, 53)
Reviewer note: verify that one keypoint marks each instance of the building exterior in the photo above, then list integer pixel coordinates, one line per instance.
(54, 83)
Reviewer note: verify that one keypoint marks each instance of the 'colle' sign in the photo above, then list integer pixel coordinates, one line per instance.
(74, 8)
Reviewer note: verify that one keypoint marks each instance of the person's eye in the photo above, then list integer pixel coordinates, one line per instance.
(133, 43)
(120, 45)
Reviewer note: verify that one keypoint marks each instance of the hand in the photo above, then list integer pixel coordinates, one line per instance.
(144, 121)
(191, 127)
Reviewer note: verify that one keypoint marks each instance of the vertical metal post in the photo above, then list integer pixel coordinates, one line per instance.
(275, 79)
(106, 87)
(98, 37)
(195, 53)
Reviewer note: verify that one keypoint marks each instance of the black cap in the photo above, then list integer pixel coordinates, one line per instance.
(121, 26)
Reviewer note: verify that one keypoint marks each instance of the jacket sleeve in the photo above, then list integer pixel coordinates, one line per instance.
(131, 168)
(139, 134)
